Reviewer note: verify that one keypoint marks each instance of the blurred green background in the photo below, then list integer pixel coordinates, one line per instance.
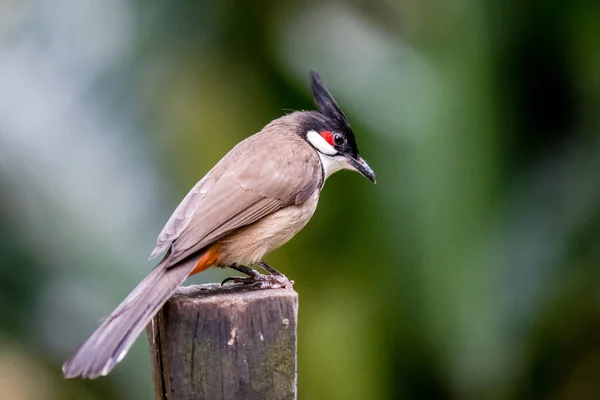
(469, 272)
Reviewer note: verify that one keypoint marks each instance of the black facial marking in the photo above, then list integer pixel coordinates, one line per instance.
(330, 117)
(315, 121)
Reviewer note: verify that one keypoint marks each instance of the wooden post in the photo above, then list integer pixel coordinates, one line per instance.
(231, 342)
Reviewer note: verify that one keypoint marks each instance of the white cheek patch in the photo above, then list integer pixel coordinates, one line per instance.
(320, 144)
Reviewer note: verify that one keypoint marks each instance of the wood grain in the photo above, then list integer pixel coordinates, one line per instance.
(230, 342)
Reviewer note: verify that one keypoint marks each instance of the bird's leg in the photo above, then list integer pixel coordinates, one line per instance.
(255, 278)
(268, 268)
(276, 274)
(245, 270)
(252, 275)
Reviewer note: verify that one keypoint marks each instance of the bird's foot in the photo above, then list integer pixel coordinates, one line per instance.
(262, 281)
(275, 279)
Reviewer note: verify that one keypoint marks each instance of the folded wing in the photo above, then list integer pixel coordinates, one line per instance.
(255, 184)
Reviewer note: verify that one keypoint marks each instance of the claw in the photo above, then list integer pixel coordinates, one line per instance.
(231, 279)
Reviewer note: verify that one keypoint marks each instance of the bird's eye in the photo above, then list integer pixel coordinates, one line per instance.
(338, 139)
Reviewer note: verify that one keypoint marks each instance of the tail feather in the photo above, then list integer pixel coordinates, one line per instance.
(99, 354)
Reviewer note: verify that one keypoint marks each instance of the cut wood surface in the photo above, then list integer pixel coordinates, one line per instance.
(225, 342)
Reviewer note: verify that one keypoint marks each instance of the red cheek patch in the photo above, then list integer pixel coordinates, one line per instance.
(328, 136)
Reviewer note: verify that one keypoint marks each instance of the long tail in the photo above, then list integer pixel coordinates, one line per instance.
(99, 354)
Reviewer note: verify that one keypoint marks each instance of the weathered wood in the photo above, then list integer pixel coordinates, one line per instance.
(231, 342)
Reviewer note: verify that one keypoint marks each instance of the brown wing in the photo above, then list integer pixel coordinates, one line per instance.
(180, 218)
(249, 183)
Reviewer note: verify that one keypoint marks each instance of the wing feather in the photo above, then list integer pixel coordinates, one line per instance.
(243, 187)
(180, 218)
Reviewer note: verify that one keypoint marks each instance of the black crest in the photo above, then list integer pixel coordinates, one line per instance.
(325, 101)
(328, 107)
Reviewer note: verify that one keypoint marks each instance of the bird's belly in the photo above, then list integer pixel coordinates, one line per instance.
(250, 244)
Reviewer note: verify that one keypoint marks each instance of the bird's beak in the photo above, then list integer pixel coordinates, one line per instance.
(361, 166)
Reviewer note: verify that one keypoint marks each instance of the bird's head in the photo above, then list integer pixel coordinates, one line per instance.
(329, 132)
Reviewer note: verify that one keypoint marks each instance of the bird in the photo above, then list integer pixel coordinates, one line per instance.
(254, 200)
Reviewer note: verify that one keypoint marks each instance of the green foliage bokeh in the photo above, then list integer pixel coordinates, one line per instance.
(469, 271)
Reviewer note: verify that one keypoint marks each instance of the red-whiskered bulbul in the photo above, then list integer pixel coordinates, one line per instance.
(255, 199)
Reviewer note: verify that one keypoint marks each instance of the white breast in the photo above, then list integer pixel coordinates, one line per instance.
(250, 244)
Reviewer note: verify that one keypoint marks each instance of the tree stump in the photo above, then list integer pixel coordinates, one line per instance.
(225, 342)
